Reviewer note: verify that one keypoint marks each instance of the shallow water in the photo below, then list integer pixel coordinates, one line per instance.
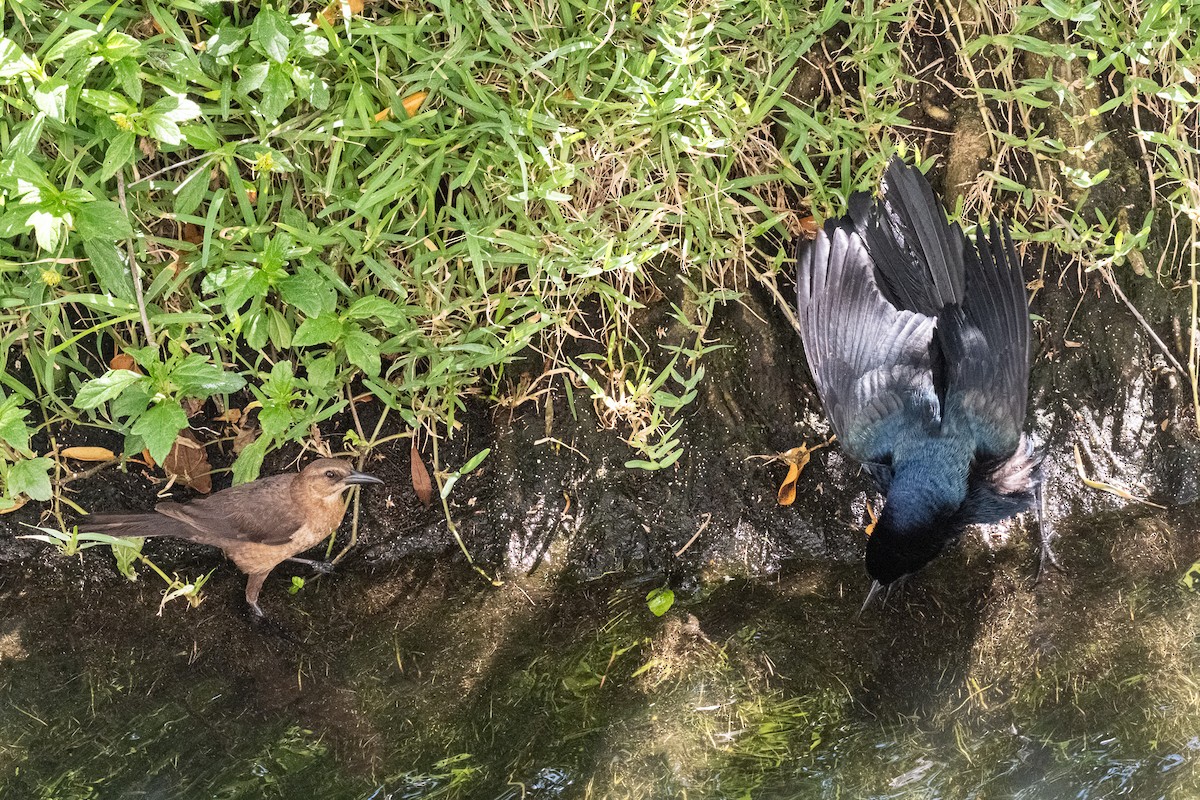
(971, 682)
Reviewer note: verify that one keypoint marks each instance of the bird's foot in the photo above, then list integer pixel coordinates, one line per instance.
(322, 567)
(1048, 562)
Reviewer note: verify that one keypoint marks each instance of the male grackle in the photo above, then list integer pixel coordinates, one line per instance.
(258, 524)
(918, 343)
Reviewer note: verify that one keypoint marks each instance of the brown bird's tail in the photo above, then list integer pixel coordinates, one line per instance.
(128, 525)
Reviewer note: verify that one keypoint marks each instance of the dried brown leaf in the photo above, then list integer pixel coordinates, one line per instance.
(188, 463)
(422, 485)
(88, 453)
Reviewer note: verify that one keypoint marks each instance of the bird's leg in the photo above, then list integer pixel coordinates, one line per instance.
(323, 567)
(1047, 560)
(253, 587)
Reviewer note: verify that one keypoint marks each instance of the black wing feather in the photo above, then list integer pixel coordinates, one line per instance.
(870, 361)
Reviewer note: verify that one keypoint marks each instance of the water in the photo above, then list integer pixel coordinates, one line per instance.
(426, 682)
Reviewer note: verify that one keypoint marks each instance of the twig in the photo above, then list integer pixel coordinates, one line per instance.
(133, 264)
(1138, 316)
(695, 536)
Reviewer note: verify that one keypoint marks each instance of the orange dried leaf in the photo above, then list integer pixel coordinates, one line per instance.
(88, 453)
(809, 226)
(787, 492)
(188, 462)
(412, 103)
(382, 115)
(124, 361)
(420, 476)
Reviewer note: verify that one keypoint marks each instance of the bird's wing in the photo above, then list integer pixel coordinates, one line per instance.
(262, 511)
(869, 360)
(918, 254)
(986, 347)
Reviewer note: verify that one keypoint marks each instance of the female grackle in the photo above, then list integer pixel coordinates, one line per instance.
(918, 343)
(258, 524)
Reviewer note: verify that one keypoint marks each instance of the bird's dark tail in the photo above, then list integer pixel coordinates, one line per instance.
(918, 255)
(129, 525)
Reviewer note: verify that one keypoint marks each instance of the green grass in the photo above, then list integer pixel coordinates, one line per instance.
(238, 199)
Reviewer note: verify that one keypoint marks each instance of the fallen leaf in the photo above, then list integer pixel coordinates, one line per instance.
(1104, 486)
(244, 438)
(88, 453)
(787, 491)
(809, 227)
(231, 415)
(124, 361)
(382, 115)
(192, 406)
(333, 12)
(192, 233)
(797, 459)
(874, 521)
(20, 501)
(420, 476)
(188, 463)
(412, 103)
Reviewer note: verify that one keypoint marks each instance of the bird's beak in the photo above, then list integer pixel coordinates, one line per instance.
(876, 586)
(360, 477)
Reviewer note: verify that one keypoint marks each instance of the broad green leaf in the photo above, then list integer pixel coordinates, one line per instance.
(109, 268)
(51, 98)
(321, 329)
(277, 93)
(102, 219)
(159, 426)
(660, 601)
(31, 477)
(196, 376)
(106, 387)
(120, 152)
(375, 306)
(308, 292)
(363, 351)
(271, 33)
(13, 429)
(14, 61)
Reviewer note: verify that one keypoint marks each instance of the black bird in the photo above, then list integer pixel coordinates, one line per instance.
(918, 343)
(259, 524)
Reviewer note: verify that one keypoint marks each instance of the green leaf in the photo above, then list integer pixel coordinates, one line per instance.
(277, 93)
(659, 601)
(308, 292)
(176, 108)
(102, 219)
(226, 42)
(275, 419)
(321, 329)
(31, 477)
(74, 45)
(120, 153)
(164, 129)
(475, 461)
(363, 351)
(106, 387)
(249, 461)
(109, 102)
(271, 33)
(196, 376)
(51, 98)
(191, 193)
(13, 61)
(13, 429)
(109, 268)
(375, 306)
(320, 372)
(119, 45)
(159, 426)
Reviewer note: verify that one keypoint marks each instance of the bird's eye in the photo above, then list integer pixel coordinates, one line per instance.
(330, 474)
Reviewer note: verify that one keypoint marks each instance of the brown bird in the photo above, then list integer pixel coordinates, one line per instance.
(258, 524)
